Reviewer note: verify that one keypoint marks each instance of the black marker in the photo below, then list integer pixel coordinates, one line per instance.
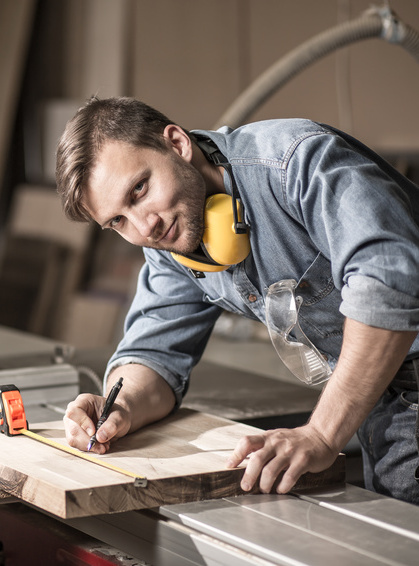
(107, 409)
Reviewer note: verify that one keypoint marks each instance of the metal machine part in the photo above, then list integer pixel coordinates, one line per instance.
(45, 390)
(343, 525)
(32, 538)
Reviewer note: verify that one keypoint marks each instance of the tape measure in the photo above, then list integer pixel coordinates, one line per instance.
(13, 422)
(12, 412)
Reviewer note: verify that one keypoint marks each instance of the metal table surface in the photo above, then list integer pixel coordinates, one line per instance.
(344, 525)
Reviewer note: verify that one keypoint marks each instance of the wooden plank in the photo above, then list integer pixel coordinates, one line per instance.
(6, 497)
(183, 458)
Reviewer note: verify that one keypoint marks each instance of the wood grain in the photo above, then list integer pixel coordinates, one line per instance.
(183, 458)
(6, 497)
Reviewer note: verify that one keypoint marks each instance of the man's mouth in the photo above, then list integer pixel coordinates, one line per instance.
(168, 236)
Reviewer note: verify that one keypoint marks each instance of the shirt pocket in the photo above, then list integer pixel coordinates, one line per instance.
(319, 313)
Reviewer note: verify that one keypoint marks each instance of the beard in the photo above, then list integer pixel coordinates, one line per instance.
(194, 197)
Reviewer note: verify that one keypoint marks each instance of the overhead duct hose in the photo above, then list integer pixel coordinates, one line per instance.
(411, 41)
(377, 22)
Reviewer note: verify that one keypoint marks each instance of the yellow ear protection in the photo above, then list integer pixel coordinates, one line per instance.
(225, 241)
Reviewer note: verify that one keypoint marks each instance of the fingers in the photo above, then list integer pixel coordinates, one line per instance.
(259, 456)
(77, 422)
(290, 478)
(80, 423)
(278, 458)
(268, 462)
(115, 426)
(246, 446)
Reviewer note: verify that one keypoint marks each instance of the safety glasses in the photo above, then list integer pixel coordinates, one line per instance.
(298, 353)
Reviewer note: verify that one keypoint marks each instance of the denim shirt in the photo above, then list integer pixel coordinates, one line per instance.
(322, 209)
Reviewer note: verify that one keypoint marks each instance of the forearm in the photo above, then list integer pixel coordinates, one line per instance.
(145, 394)
(369, 359)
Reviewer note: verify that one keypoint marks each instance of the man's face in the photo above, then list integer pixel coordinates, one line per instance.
(150, 198)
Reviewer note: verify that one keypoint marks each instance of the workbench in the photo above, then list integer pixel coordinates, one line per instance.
(338, 524)
(343, 525)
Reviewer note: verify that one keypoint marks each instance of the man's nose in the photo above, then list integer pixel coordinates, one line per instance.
(146, 224)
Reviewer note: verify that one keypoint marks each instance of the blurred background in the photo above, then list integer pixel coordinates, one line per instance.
(191, 59)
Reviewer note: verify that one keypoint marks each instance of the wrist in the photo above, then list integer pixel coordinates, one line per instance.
(332, 438)
(146, 397)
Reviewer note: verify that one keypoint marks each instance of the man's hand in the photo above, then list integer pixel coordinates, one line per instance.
(80, 423)
(292, 451)
(369, 359)
(144, 398)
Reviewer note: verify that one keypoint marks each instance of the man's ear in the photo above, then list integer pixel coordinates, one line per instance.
(179, 141)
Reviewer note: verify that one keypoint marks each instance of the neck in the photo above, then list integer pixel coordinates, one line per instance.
(213, 174)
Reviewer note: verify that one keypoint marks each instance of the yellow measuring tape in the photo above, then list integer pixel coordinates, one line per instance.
(139, 481)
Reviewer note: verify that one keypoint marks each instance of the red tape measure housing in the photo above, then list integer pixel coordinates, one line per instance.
(12, 411)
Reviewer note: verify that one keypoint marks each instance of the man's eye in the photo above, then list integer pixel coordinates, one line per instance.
(139, 187)
(115, 221)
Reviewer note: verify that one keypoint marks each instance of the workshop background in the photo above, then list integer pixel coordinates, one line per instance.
(191, 59)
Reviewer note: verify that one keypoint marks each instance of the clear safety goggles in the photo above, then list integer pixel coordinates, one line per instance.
(300, 356)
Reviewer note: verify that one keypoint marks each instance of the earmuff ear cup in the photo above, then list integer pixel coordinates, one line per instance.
(199, 262)
(221, 247)
(221, 243)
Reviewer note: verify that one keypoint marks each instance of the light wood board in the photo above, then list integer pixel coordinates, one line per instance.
(183, 457)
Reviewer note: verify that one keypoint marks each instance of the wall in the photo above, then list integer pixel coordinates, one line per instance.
(16, 20)
(191, 59)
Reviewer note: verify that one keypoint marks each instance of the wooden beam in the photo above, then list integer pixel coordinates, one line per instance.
(183, 457)
(15, 28)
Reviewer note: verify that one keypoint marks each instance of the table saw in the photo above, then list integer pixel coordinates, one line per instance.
(340, 523)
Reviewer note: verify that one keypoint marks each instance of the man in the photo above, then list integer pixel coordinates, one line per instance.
(321, 211)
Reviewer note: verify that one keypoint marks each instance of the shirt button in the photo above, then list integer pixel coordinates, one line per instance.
(252, 298)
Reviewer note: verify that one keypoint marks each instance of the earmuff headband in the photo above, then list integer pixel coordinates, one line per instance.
(225, 241)
(214, 155)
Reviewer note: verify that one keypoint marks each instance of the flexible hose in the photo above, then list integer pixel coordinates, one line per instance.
(411, 42)
(377, 22)
(92, 376)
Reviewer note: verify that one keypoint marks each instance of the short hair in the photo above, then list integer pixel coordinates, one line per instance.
(120, 119)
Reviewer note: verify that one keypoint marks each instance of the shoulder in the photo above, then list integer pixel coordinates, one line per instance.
(266, 140)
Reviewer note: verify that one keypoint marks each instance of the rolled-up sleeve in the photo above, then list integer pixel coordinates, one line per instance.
(168, 324)
(368, 300)
(362, 218)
